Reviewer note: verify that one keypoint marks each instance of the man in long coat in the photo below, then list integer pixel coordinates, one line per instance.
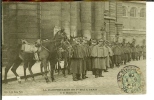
(92, 44)
(144, 52)
(140, 52)
(137, 52)
(86, 60)
(126, 51)
(98, 59)
(111, 55)
(130, 51)
(77, 69)
(133, 52)
(107, 59)
(122, 52)
(117, 54)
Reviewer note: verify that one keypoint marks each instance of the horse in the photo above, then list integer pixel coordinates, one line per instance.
(48, 53)
(65, 56)
(15, 57)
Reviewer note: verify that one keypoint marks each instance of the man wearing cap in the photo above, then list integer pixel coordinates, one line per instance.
(144, 52)
(111, 55)
(122, 52)
(140, 52)
(133, 52)
(106, 52)
(130, 51)
(86, 60)
(98, 59)
(117, 54)
(137, 52)
(126, 51)
(76, 66)
(93, 43)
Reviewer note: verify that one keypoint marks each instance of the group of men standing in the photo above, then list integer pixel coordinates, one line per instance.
(99, 55)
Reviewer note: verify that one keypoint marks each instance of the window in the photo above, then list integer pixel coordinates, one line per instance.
(124, 11)
(133, 12)
(142, 12)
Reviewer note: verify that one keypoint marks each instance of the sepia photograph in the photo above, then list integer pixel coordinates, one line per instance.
(73, 48)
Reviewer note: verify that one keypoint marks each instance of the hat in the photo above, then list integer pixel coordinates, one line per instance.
(107, 42)
(93, 41)
(100, 40)
(85, 38)
(77, 38)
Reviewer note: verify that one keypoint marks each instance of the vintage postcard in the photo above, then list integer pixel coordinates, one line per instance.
(73, 48)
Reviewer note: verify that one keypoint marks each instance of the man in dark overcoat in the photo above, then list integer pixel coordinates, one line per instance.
(98, 59)
(117, 54)
(77, 69)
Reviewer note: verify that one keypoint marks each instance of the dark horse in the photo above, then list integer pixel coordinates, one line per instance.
(65, 56)
(49, 53)
(14, 60)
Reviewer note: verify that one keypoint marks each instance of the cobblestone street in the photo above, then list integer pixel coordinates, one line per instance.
(65, 86)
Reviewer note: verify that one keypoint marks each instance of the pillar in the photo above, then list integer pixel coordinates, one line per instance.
(86, 19)
(65, 17)
(73, 18)
(99, 19)
(119, 24)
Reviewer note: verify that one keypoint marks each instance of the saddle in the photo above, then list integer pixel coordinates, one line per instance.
(29, 48)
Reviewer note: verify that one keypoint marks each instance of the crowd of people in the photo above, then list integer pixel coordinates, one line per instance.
(99, 55)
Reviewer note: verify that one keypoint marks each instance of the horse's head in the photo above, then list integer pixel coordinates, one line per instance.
(61, 35)
(70, 51)
(38, 43)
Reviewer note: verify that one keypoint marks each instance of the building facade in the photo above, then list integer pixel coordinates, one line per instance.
(134, 21)
(108, 20)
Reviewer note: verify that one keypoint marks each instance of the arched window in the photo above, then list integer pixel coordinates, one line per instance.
(142, 12)
(133, 12)
(124, 11)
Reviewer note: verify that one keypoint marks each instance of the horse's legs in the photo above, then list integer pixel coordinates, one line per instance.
(59, 68)
(8, 66)
(52, 68)
(30, 68)
(41, 68)
(69, 63)
(56, 68)
(25, 67)
(44, 62)
(14, 68)
(64, 69)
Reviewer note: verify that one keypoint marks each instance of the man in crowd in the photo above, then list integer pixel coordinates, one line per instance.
(129, 53)
(76, 67)
(140, 52)
(144, 52)
(111, 60)
(133, 52)
(117, 54)
(137, 52)
(86, 60)
(92, 44)
(106, 52)
(126, 48)
(98, 58)
(122, 47)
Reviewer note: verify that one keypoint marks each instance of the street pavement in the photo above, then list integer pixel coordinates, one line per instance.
(66, 86)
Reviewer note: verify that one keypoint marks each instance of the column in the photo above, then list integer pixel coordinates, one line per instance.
(86, 19)
(65, 17)
(73, 18)
(50, 19)
(119, 20)
(99, 20)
